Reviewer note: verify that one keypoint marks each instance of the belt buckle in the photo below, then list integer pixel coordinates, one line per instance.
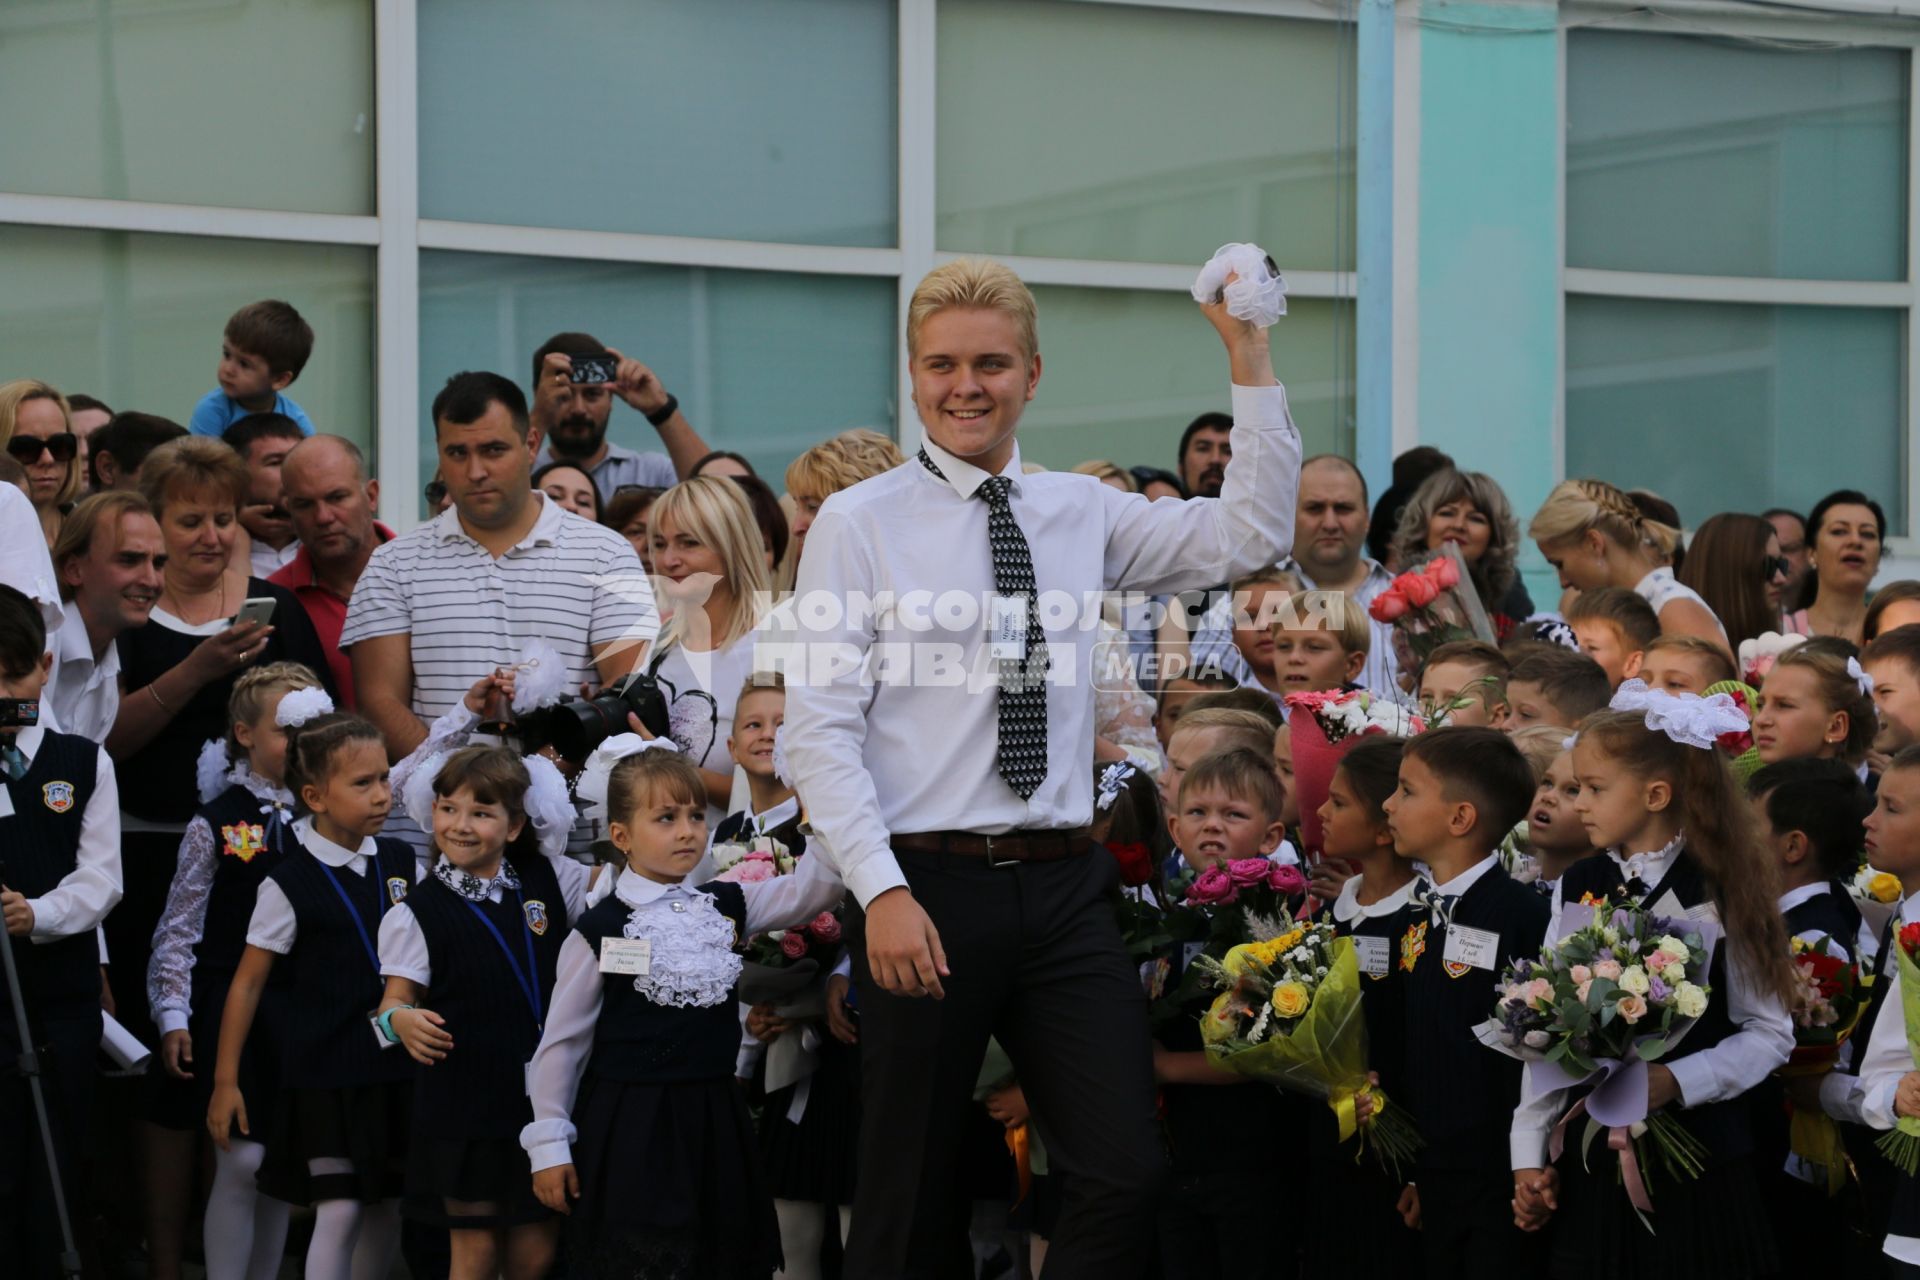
(995, 862)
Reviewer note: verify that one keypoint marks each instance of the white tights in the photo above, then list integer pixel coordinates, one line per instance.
(803, 1228)
(246, 1232)
(351, 1241)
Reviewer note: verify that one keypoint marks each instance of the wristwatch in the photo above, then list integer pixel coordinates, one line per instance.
(385, 1023)
(659, 416)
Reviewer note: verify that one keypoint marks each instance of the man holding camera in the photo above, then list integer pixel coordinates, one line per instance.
(575, 380)
(442, 605)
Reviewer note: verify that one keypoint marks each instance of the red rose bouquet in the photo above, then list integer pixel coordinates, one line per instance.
(1431, 605)
(1828, 1000)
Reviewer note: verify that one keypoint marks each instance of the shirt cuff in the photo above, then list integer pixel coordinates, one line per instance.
(46, 921)
(1528, 1148)
(172, 1020)
(422, 977)
(874, 876)
(1694, 1075)
(1262, 408)
(1840, 1096)
(548, 1143)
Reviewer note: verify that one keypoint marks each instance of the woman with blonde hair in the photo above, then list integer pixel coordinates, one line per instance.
(710, 565)
(36, 426)
(1594, 536)
(1109, 473)
(1470, 510)
(830, 466)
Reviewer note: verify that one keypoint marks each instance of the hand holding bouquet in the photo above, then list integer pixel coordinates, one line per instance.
(1602, 1002)
(1289, 1014)
(1827, 1004)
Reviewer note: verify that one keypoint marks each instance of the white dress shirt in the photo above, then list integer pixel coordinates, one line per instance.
(892, 712)
(1760, 1044)
(784, 902)
(83, 694)
(403, 948)
(28, 566)
(273, 927)
(266, 561)
(85, 894)
(1455, 888)
(1839, 948)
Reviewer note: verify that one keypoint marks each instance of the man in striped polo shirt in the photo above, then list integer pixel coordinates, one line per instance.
(439, 607)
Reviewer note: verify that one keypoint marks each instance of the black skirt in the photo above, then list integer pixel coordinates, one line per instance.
(1713, 1227)
(182, 1105)
(476, 1171)
(1358, 1232)
(670, 1184)
(366, 1124)
(813, 1161)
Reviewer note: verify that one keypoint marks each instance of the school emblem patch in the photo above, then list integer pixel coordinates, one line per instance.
(397, 887)
(1413, 945)
(58, 796)
(1456, 969)
(243, 840)
(536, 912)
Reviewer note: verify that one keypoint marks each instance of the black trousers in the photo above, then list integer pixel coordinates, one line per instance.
(68, 1035)
(1037, 962)
(1466, 1227)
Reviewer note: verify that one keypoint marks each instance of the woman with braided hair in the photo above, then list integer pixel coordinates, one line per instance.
(1594, 536)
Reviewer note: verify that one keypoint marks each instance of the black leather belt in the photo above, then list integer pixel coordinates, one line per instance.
(1001, 850)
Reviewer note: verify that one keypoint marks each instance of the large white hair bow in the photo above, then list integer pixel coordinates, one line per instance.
(549, 808)
(591, 786)
(210, 771)
(1259, 296)
(301, 705)
(1688, 719)
(1861, 679)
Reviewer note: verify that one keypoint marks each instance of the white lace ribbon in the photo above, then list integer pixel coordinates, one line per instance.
(1688, 719)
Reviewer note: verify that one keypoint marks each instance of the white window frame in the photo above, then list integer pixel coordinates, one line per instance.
(1867, 23)
(397, 233)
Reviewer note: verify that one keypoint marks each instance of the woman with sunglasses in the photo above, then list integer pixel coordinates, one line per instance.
(1735, 564)
(36, 426)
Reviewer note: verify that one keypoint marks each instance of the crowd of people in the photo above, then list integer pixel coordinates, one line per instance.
(797, 964)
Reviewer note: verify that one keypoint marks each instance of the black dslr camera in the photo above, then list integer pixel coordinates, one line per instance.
(574, 729)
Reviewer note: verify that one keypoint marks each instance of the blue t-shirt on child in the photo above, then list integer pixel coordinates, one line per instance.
(215, 413)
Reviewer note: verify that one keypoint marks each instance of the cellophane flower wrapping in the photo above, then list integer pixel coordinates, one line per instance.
(1290, 1015)
(1323, 728)
(1902, 1144)
(1432, 604)
(1827, 1003)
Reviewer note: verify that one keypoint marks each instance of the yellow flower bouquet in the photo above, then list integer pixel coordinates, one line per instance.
(1289, 1015)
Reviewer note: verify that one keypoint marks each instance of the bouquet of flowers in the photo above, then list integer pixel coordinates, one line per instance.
(1609, 997)
(1431, 605)
(1876, 893)
(1828, 1000)
(1245, 900)
(1289, 1014)
(1902, 1144)
(761, 858)
(1738, 743)
(1757, 655)
(1324, 726)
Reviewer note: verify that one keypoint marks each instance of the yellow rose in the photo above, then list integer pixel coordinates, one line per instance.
(1220, 1022)
(1289, 999)
(1240, 960)
(1884, 887)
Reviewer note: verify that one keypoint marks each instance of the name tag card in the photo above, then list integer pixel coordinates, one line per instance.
(1476, 948)
(1007, 629)
(1373, 953)
(626, 957)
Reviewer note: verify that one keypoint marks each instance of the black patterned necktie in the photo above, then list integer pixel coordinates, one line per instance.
(1022, 756)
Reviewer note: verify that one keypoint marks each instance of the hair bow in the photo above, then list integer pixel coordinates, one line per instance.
(301, 705)
(782, 770)
(1860, 677)
(1259, 296)
(210, 771)
(548, 806)
(418, 797)
(1112, 779)
(591, 785)
(1688, 719)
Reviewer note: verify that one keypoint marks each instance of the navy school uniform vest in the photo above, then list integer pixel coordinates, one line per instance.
(1384, 998)
(1462, 1093)
(1724, 1126)
(247, 845)
(39, 847)
(327, 1039)
(1832, 913)
(639, 1042)
(479, 1089)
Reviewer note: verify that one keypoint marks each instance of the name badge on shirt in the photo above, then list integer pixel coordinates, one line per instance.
(1007, 629)
(1471, 949)
(1376, 954)
(626, 957)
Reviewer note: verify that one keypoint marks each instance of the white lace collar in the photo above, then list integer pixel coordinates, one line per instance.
(1650, 866)
(691, 962)
(1347, 908)
(265, 792)
(327, 851)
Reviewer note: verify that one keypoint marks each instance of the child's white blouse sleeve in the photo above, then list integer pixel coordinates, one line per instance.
(170, 968)
(575, 878)
(787, 902)
(561, 1058)
(1533, 1120)
(273, 927)
(1866, 1096)
(1760, 1045)
(403, 948)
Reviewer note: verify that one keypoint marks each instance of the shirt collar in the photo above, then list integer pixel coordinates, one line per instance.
(1794, 897)
(27, 741)
(775, 816)
(637, 891)
(1347, 906)
(1458, 886)
(962, 476)
(299, 571)
(334, 855)
(259, 788)
(1650, 866)
(615, 453)
(447, 528)
(71, 642)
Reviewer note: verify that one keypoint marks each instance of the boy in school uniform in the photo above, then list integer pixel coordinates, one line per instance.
(1461, 790)
(59, 876)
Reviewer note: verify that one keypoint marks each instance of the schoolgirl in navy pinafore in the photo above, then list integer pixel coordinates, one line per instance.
(341, 1095)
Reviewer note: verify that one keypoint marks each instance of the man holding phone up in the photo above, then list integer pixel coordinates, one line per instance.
(575, 379)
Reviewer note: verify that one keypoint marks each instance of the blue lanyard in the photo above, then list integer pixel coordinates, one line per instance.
(528, 978)
(380, 906)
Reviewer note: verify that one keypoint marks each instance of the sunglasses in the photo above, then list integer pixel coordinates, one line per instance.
(1772, 567)
(26, 450)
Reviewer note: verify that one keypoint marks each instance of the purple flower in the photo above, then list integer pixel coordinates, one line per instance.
(1657, 990)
